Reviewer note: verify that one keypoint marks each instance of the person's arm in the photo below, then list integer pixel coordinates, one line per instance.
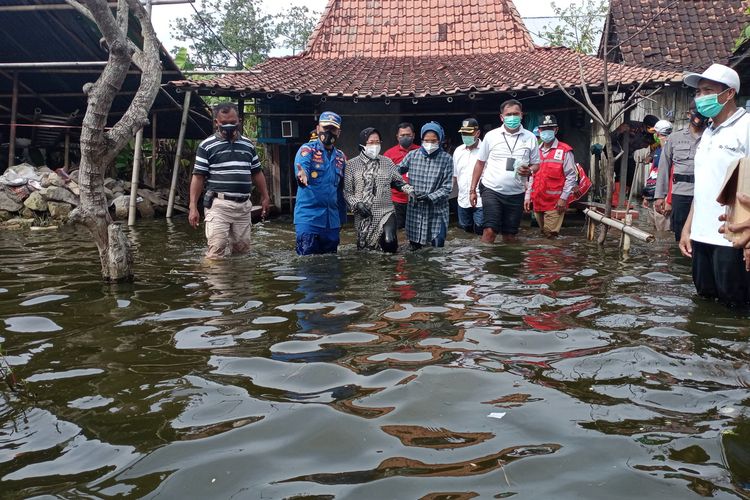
(482, 155)
(259, 181)
(685, 246)
(302, 165)
(534, 158)
(350, 189)
(662, 179)
(571, 176)
(397, 180)
(196, 188)
(445, 187)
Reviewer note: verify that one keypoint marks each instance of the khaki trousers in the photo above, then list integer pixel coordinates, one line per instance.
(228, 225)
(550, 222)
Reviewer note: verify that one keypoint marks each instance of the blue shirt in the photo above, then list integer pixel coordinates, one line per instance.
(320, 205)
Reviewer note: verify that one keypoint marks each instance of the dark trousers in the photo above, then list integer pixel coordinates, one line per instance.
(680, 210)
(320, 242)
(400, 211)
(719, 272)
(389, 240)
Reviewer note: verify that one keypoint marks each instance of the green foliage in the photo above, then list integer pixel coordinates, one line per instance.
(744, 35)
(227, 33)
(579, 26)
(295, 27)
(182, 59)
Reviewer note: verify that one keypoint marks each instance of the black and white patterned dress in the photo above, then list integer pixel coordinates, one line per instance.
(369, 181)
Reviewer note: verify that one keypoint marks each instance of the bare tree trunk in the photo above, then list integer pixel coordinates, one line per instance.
(99, 146)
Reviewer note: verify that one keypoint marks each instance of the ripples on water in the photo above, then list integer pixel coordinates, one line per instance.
(368, 376)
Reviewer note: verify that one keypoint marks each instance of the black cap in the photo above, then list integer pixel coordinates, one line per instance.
(548, 121)
(469, 126)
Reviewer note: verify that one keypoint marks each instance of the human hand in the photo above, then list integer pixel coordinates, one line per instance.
(422, 197)
(659, 205)
(265, 204)
(644, 203)
(527, 206)
(194, 217)
(562, 206)
(301, 178)
(686, 248)
(524, 171)
(473, 198)
(403, 169)
(362, 209)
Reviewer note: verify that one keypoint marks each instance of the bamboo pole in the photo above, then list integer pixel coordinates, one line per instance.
(13, 117)
(630, 230)
(154, 150)
(178, 154)
(135, 176)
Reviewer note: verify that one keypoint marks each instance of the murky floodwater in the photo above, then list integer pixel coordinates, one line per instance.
(540, 370)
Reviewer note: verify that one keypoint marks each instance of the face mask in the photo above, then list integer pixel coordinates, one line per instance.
(430, 147)
(228, 130)
(469, 140)
(709, 105)
(327, 138)
(512, 122)
(657, 141)
(547, 136)
(405, 142)
(372, 150)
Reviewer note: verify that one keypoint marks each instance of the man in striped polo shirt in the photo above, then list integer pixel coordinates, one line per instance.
(228, 165)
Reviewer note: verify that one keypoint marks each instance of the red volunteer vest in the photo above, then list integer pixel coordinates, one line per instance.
(550, 179)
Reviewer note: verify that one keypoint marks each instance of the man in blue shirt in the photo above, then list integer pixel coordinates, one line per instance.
(320, 209)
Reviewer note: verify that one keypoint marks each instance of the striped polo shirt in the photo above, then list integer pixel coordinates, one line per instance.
(227, 165)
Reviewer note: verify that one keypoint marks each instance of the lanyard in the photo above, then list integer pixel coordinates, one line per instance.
(514, 144)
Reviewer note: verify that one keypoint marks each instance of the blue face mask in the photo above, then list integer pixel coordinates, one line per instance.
(512, 122)
(709, 105)
(547, 136)
(469, 140)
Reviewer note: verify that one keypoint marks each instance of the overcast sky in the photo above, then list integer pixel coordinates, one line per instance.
(162, 15)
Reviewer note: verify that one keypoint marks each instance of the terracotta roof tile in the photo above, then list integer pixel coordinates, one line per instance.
(380, 29)
(428, 76)
(686, 36)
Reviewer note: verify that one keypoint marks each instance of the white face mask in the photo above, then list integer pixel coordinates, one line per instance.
(429, 146)
(372, 150)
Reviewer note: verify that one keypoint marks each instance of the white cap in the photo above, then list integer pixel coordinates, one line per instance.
(663, 127)
(715, 73)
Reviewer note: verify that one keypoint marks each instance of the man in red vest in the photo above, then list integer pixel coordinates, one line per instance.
(555, 180)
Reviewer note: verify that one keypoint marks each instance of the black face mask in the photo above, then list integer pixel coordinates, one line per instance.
(228, 130)
(405, 142)
(327, 138)
(697, 119)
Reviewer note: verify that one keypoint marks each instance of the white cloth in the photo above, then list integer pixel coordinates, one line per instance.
(464, 160)
(497, 147)
(717, 149)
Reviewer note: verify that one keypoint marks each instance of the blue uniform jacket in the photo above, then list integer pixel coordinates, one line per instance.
(321, 204)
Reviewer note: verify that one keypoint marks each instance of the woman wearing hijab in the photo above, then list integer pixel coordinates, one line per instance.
(431, 175)
(368, 179)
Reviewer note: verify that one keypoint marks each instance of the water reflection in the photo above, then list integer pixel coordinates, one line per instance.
(364, 375)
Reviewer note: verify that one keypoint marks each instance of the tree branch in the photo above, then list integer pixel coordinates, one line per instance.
(585, 89)
(583, 106)
(123, 16)
(634, 104)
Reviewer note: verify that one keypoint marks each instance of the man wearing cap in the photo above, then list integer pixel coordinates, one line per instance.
(470, 219)
(555, 180)
(405, 143)
(430, 171)
(674, 185)
(718, 268)
(507, 156)
(662, 132)
(228, 165)
(320, 208)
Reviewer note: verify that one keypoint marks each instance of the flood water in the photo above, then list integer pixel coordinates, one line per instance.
(542, 370)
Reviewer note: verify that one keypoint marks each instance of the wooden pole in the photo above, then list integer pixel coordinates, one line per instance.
(178, 154)
(630, 230)
(154, 150)
(13, 117)
(66, 160)
(135, 176)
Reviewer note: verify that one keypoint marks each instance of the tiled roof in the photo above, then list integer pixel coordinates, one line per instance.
(426, 76)
(686, 36)
(404, 28)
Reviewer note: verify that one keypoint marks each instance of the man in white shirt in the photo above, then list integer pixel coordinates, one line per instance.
(510, 154)
(718, 268)
(470, 219)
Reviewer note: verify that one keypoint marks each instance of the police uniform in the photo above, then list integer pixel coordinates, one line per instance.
(320, 208)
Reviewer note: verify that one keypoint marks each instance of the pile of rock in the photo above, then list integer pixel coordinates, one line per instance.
(39, 194)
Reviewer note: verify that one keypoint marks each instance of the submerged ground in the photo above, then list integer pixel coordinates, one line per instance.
(368, 376)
